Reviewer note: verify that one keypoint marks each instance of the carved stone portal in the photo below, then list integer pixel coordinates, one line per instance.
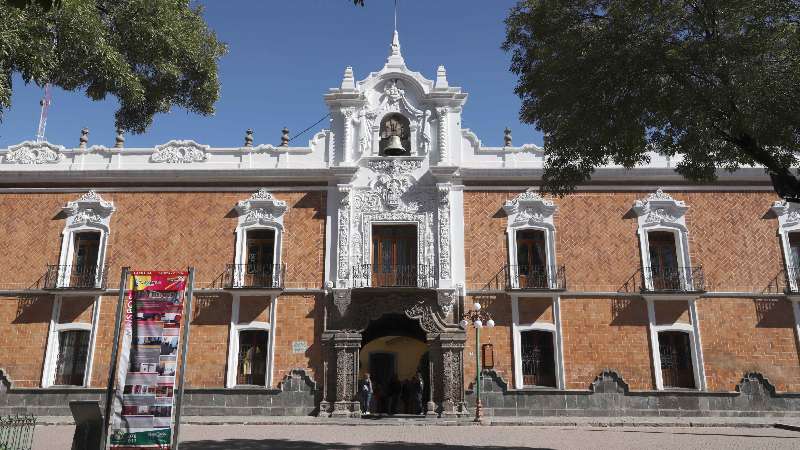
(350, 313)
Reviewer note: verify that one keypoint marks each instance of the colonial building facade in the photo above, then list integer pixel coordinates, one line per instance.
(361, 251)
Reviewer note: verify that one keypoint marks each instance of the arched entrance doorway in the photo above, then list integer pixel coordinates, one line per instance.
(394, 351)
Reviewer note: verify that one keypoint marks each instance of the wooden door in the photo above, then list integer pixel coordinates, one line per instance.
(84, 260)
(676, 359)
(260, 258)
(394, 256)
(531, 260)
(664, 270)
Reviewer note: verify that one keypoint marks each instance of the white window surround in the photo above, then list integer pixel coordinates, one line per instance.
(51, 352)
(233, 339)
(692, 329)
(660, 212)
(788, 214)
(555, 328)
(260, 211)
(529, 211)
(89, 213)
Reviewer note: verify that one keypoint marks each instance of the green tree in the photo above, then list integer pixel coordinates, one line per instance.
(716, 82)
(149, 54)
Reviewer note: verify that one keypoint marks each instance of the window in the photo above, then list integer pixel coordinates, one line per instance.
(532, 259)
(252, 360)
(538, 358)
(394, 255)
(663, 270)
(793, 260)
(73, 352)
(676, 359)
(260, 267)
(395, 135)
(83, 270)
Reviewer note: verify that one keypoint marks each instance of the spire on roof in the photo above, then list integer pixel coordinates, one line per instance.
(395, 57)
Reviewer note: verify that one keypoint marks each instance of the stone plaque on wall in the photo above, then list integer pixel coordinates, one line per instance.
(299, 346)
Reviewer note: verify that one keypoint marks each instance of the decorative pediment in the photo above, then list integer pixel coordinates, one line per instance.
(177, 152)
(394, 167)
(660, 207)
(30, 152)
(88, 209)
(788, 213)
(261, 208)
(529, 208)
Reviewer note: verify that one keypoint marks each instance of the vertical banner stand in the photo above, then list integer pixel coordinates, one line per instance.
(112, 366)
(187, 320)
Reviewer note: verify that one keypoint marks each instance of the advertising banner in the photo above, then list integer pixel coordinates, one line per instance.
(143, 412)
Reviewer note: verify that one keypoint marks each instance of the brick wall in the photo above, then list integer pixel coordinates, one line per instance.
(300, 318)
(208, 341)
(669, 312)
(535, 310)
(24, 322)
(741, 335)
(601, 333)
(499, 306)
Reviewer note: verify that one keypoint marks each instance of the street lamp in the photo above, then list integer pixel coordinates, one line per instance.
(479, 318)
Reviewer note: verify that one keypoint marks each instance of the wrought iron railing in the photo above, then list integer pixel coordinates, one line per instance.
(378, 275)
(666, 279)
(16, 432)
(74, 277)
(253, 276)
(536, 278)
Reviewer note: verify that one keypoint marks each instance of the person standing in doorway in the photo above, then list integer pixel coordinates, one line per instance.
(418, 386)
(365, 392)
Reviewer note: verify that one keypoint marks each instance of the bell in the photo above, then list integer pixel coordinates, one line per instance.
(394, 147)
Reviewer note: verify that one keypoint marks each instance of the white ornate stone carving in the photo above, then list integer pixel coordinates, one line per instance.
(447, 300)
(659, 207)
(529, 208)
(443, 113)
(89, 209)
(180, 152)
(262, 209)
(394, 167)
(30, 152)
(443, 190)
(344, 237)
(788, 213)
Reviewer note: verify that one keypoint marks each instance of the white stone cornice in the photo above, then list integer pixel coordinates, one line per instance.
(88, 209)
(31, 152)
(180, 152)
(261, 208)
(788, 213)
(659, 207)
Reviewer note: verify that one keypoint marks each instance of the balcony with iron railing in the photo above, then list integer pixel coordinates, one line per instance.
(666, 280)
(393, 276)
(74, 277)
(252, 276)
(536, 278)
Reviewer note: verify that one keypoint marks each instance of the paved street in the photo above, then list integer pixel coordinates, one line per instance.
(342, 437)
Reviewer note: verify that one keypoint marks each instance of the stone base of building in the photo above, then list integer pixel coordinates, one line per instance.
(609, 396)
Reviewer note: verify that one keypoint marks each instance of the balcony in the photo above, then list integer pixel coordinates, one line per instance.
(74, 277)
(666, 280)
(253, 276)
(536, 278)
(393, 276)
(791, 280)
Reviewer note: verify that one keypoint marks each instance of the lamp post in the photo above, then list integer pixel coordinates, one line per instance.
(478, 318)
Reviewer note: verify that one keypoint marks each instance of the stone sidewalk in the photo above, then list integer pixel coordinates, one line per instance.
(789, 423)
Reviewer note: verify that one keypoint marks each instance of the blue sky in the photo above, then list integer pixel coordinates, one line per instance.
(284, 55)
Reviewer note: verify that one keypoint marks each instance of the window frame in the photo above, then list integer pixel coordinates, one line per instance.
(696, 347)
(529, 211)
(233, 342)
(558, 346)
(89, 214)
(260, 212)
(52, 346)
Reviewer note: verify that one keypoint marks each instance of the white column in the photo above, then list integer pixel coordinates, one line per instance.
(51, 352)
(697, 353)
(561, 382)
(273, 325)
(654, 351)
(516, 342)
(87, 381)
(233, 343)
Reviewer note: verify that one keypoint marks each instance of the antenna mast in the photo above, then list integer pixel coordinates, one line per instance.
(45, 103)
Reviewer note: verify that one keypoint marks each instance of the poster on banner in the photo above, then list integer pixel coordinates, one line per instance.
(148, 363)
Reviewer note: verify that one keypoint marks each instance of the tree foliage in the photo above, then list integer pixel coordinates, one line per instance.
(150, 55)
(714, 82)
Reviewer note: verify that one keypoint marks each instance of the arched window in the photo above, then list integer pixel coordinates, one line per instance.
(395, 135)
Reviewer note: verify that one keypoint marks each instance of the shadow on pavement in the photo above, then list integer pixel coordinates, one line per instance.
(760, 436)
(283, 444)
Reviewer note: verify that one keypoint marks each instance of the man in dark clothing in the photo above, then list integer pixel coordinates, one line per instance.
(365, 393)
(418, 386)
(394, 394)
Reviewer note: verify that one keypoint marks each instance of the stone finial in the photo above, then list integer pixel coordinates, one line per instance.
(84, 137)
(395, 56)
(349, 81)
(285, 137)
(119, 140)
(441, 78)
(507, 140)
(248, 137)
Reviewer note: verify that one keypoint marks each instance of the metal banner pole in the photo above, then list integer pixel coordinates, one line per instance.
(112, 367)
(187, 320)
